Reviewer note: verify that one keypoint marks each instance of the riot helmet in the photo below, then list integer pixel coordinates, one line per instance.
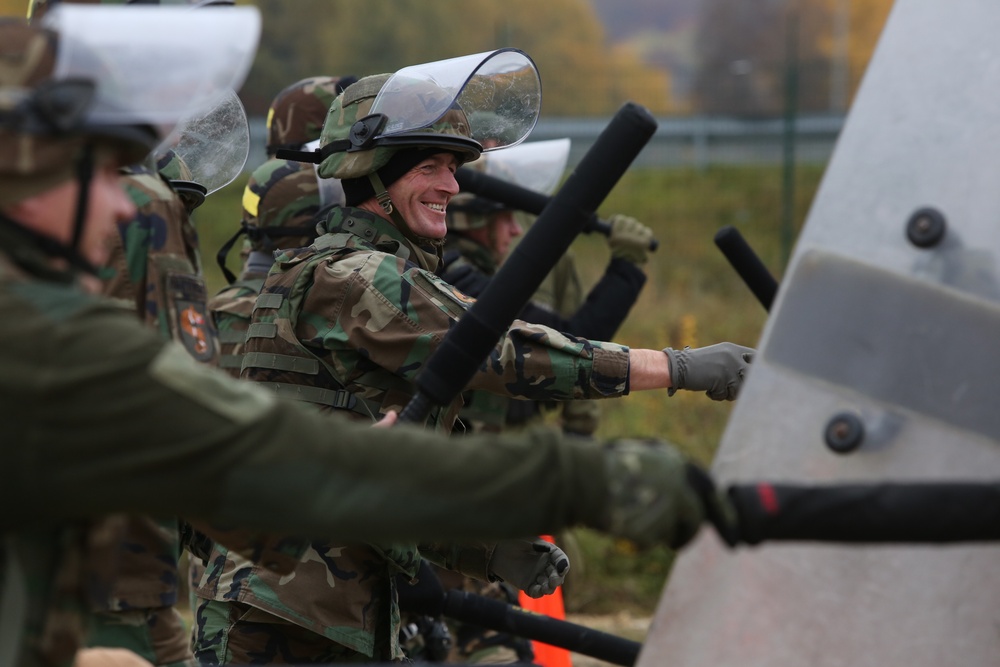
(80, 81)
(296, 114)
(535, 165)
(38, 8)
(282, 204)
(385, 124)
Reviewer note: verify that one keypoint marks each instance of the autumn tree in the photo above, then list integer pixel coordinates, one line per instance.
(746, 50)
(581, 73)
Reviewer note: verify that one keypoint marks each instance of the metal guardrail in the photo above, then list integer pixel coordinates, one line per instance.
(691, 141)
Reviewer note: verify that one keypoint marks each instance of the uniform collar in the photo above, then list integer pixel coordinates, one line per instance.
(382, 235)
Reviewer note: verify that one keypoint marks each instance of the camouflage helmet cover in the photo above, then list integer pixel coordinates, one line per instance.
(351, 106)
(285, 195)
(297, 113)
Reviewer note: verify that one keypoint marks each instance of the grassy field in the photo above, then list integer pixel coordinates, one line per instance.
(692, 298)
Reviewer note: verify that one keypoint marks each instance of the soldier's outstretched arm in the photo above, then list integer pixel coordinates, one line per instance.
(101, 416)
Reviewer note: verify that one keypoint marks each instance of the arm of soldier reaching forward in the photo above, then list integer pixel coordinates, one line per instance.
(102, 416)
(530, 361)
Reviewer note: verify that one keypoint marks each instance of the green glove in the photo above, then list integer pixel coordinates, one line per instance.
(717, 370)
(629, 239)
(536, 567)
(650, 498)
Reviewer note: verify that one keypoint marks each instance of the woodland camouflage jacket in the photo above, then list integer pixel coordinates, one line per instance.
(354, 316)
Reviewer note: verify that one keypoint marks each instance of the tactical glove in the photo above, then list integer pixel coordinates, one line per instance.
(717, 370)
(629, 239)
(536, 567)
(651, 498)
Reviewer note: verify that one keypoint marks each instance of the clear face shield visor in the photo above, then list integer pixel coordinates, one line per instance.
(535, 165)
(214, 145)
(492, 98)
(153, 65)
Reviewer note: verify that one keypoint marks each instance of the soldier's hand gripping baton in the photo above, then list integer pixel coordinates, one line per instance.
(884, 513)
(523, 199)
(477, 332)
(427, 596)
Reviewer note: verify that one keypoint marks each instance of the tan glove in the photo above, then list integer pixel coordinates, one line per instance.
(629, 239)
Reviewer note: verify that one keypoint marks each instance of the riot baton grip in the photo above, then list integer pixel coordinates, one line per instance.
(416, 409)
(497, 615)
(748, 265)
(899, 513)
(467, 344)
(425, 595)
(522, 199)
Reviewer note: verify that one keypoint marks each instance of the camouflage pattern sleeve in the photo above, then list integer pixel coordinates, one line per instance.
(247, 459)
(398, 314)
(231, 310)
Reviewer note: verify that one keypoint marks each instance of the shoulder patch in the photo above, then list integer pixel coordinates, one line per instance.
(448, 298)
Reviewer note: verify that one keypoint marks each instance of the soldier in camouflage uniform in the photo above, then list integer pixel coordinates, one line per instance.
(480, 234)
(157, 274)
(102, 414)
(345, 325)
(155, 271)
(280, 204)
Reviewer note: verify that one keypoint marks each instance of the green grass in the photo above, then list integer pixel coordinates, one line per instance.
(692, 297)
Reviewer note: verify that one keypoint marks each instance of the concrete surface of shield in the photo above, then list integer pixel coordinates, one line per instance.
(902, 337)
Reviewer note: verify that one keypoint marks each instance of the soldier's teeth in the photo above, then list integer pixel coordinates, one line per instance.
(436, 207)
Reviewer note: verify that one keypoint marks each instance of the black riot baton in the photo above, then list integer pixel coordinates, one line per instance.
(427, 596)
(469, 342)
(884, 513)
(748, 265)
(522, 199)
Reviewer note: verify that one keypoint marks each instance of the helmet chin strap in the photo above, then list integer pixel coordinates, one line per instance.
(383, 199)
(69, 252)
(84, 176)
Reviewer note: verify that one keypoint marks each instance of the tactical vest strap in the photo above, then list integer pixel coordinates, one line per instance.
(268, 300)
(262, 330)
(13, 604)
(280, 362)
(339, 399)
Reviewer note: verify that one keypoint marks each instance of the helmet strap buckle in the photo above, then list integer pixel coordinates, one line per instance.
(381, 193)
(365, 130)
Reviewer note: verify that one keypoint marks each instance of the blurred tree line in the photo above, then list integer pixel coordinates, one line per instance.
(740, 50)
(747, 48)
(581, 74)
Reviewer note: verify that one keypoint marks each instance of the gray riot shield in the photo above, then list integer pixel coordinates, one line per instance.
(884, 319)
